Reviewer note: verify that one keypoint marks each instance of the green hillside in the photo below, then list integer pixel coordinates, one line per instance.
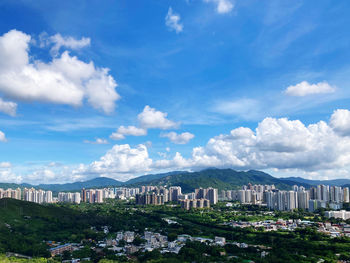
(221, 179)
(98, 182)
(23, 226)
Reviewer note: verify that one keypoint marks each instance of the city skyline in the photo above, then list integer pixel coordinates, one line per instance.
(109, 89)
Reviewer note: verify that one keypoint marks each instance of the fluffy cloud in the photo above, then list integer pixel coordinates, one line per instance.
(340, 121)
(122, 162)
(150, 118)
(2, 137)
(275, 144)
(64, 80)
(181, 138)
(8, 107)
(5, 165)
(42, 176)
(97, 141)
(222, 6)
(129, 130)
(172, 21)
(305, 88)
(59, 41)
(7, 176)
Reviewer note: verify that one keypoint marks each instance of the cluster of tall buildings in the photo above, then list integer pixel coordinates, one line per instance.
(328, 193)
(153, 195)
(249, 194)
(210, 194)
(69, 198)
(188, 204)
(150, 199)
(28, 194)
(96, 195)
(37, 196)
(125, 193)
(299, 197)
(11, 193)
(287, 200)
(201, 198)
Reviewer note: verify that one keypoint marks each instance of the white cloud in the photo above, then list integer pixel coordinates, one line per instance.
(129, 130)
(150, 118)
(122, 162)
(2, 137)
(97, 141)
(172, 21)
(275, 144)
(181, 138)
(8, 107)
(41, 176)
(340, 121)
(222, 6)
(64, 80)
(304, 88)
(7, 176)
(117, 136)
(59, 41)
(132, 130)
(5, 165)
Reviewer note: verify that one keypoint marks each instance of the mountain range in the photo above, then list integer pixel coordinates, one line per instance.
(218, 178)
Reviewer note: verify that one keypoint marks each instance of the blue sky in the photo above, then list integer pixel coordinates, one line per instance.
(194, 84)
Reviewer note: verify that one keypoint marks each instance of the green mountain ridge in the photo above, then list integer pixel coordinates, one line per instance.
(219, 178)
(223, 179)
(76, 186)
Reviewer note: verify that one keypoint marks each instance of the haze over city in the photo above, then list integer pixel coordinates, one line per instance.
(121, 89)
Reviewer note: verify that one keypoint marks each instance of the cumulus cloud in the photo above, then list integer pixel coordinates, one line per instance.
(129, 130)
(59, 41)
(2, 137)
(222, 6)
(181, 138)
(64, 80)
(340, 122)
(275, 144)
(7, 176)
(97, 141)
(172, 21)
(5, 165)
(122, 162)
(150, 118)
(8, 107)
(304, 88)
(41, 176)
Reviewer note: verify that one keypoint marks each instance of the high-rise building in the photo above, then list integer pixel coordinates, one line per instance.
(346, 194)
(174, 193)
(209, 193)
(303, 199)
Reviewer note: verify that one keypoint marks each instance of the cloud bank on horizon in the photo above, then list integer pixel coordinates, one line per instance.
(181, 86)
